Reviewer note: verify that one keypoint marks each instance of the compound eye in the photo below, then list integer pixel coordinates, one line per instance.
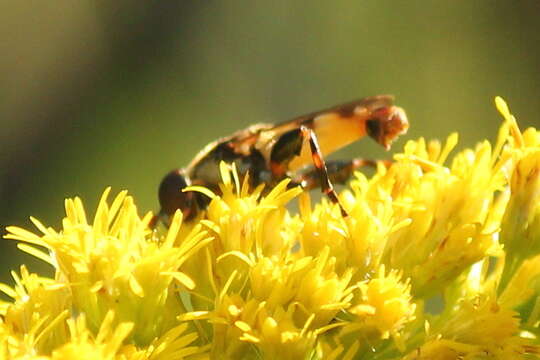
(171, 196)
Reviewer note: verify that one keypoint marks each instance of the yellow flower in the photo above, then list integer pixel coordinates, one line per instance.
(114, 264)
(244, 225)
(266, 333)
(289, 302)
(84, 345)
(382, 308)
(359, 241)
(452, 211)
(246, 221)
(520, 232)
(524, 284)
(32, 323)
(439, 258)
(475, 328)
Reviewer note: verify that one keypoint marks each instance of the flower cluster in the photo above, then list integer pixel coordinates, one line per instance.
(437, 259)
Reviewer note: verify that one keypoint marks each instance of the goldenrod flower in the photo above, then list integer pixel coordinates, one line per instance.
(520, 232)
(114, 264)
(250, 279)
(381, 309)
(474, 328)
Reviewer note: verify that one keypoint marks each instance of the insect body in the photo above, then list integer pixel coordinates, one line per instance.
(293, 149)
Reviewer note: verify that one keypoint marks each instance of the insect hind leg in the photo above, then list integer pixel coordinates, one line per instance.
(339, 171)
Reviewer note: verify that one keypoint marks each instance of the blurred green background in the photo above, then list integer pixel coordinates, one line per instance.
(116, 93)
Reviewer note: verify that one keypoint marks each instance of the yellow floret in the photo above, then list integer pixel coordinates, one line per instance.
(439, 258)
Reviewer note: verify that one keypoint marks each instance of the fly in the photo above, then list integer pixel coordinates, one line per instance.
(294, 148)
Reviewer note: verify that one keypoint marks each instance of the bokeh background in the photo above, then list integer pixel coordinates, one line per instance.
(116, 93)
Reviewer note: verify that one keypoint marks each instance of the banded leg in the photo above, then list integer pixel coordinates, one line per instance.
(339, 171)
(289, 145)
(320, 166)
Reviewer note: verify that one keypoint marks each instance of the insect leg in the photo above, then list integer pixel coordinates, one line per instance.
(320, 168)
(339, 171)
(289, 146)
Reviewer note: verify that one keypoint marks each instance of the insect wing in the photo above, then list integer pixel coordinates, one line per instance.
(335, 127)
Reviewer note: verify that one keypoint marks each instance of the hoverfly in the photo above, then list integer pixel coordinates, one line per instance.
(269, 153)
